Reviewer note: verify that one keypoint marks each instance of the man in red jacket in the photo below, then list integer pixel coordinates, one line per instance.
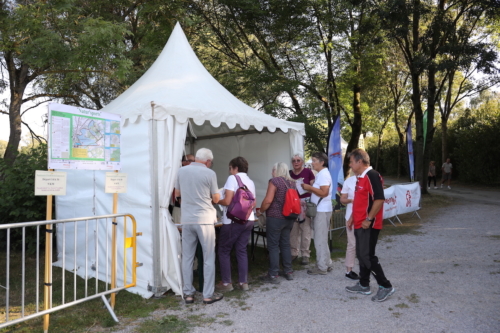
(367, 217)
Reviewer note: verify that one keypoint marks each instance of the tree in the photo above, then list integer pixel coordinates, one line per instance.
(276, 55)
(426, 33)
(42, 40)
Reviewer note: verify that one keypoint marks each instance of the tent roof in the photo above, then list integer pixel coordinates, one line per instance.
(179, 85)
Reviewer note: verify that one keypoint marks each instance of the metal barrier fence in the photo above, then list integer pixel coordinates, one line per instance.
(25, 309)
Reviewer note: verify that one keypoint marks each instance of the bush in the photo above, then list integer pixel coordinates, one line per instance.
(17, 190)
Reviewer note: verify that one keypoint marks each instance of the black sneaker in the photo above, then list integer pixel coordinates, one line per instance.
(288, 276)
(270, 279)
(351, 275)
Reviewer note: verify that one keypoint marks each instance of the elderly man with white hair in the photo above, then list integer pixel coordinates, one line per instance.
(197, 186)
(300, 237)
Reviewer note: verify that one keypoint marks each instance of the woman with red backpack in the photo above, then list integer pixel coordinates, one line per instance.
(278, 226)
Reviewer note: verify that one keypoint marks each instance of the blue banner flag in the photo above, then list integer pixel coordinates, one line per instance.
(411, 157)
(335, 159)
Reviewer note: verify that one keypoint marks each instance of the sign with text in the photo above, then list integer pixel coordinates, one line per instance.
(116, 182)
(50, 182)
(83, 139)
(390, 205)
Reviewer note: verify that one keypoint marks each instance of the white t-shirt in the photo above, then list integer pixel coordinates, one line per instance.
(232, 185)
(323, 178)
(349, 187)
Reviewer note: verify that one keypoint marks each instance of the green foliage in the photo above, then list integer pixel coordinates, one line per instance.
(475, 148)
(19, 203)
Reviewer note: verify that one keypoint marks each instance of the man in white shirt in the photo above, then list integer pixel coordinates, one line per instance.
(198, 186)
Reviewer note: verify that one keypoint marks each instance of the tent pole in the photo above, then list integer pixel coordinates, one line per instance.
(155, 202)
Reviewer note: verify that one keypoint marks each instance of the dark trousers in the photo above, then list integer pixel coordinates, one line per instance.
(366, 241)
(278, 240)
(234, 235)
(429, 179)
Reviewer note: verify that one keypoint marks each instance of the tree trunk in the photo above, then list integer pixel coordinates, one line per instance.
(357, 124)
(18, 78)
(431, 106)
(444, 139)
(418, 142)
(378, 149)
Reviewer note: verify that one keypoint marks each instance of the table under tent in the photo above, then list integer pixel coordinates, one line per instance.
(176, 107)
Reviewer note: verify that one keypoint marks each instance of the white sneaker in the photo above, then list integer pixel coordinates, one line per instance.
(435, 187)
(449, 188)
(441, 185)
(428, 188)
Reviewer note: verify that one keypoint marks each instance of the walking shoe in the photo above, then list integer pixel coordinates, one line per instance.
(435, 187)
(294, 258)
(449, 188)
(305, 261)
(244, 286)
(316, 271)
(359, 289)
(224, 287)
(270, 279)
(383, 293)
(288, 276)
(351, 275)
(428, 188)
(441, 185)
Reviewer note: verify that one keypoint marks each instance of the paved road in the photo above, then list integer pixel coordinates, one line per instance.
(447, 279)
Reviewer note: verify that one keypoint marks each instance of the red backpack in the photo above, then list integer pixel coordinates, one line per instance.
(291, 206)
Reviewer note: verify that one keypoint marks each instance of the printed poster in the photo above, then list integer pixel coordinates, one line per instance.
(83, 139)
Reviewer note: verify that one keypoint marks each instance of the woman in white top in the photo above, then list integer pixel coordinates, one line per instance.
(347, 197)
(321, 194)
(234, 234)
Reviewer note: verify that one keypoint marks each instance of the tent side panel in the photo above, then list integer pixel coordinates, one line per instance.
(87, 197)
(261, 150)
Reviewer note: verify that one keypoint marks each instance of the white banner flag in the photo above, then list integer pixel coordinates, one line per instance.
(390, 206)
(408, 197)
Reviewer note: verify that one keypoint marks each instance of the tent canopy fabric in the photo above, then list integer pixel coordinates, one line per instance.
(153, 139)
(180, 86)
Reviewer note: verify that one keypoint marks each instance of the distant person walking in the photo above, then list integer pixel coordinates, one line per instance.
(431, 175)
(197, 184)
(447, 169)
(367, 217)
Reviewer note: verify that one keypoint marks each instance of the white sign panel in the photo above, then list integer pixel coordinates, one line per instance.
(408, 197)
(50, 183)
(116, 182)
(83, 139)
(390, 206)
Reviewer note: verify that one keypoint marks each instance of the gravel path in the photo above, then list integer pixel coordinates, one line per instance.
(446, 279)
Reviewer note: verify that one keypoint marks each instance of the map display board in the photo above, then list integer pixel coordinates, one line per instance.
(83, 139)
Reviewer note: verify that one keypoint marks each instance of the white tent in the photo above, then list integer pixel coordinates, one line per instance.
(175, 107)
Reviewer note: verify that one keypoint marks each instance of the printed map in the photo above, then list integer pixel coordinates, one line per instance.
(88, 133)
(83, 139)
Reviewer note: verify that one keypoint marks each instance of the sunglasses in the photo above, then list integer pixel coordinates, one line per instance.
(296, 161)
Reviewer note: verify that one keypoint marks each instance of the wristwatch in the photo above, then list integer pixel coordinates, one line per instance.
(370, 220)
